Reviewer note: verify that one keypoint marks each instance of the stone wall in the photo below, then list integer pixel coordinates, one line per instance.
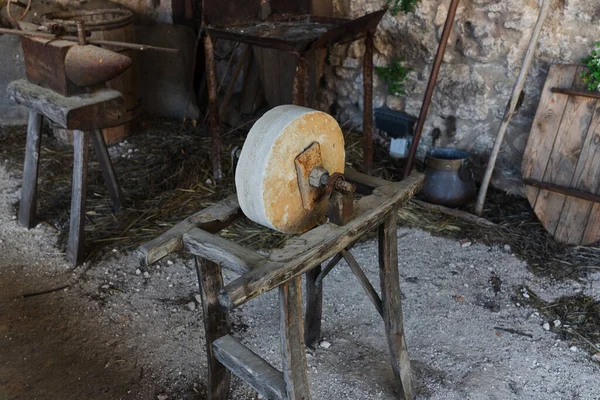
(482, 61)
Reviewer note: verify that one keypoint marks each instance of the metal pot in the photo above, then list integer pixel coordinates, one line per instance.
(449, 177)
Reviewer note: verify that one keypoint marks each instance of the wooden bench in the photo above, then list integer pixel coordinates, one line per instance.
(85, 114)
(283, 269)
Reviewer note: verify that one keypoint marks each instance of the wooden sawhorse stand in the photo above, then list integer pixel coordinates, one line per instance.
(282, 269)
(84, 114)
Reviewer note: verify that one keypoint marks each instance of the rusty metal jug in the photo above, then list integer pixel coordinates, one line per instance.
(449, 177)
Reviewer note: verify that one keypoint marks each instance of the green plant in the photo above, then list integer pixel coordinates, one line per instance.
(395, 76)
(402, 5)
(592, 77)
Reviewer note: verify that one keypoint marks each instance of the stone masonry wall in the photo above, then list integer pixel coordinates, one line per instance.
(482, 61)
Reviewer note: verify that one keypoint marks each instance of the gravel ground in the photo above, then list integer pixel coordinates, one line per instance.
(115, 330)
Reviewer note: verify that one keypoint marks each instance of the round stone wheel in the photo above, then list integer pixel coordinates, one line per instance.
(266, 178)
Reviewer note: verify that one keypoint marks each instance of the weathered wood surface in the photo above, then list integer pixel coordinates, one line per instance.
(302, 253)
(314, 307)
(234, 78)
(330, 266)
(221, 251)
(292, 340)
(392, 307)
(216, 325)
(28, 205)
(76, 244)
(573, 128)
(250, 367)
(210, 219)
(213, 107)
(545, 126)
(363, 280)
(216, 217)
(252, 96)
(99, 109)
(576, 213)
(563, 151)
(277, 70)
(110, 178)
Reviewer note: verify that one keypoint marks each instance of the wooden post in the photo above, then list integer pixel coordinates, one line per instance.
(368, 105)
(28, 204)
(216, 325)
(76, 245)
(114, 190)
(512, 105)
(213, 107)
(292, 340)
(314, 307)
(435, 70)
(392, 306)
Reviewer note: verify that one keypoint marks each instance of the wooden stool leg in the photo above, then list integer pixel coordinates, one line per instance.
(314, 307)
(28, 203)
(213, 107)
(216, 325)
(114, 190)
(76, 246)
(292, 340)
(392, 307)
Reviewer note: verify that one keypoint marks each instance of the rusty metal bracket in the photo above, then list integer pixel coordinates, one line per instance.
(316, 184)
(305, 163)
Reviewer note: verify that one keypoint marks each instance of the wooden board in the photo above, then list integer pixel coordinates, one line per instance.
(98, 109)
(563, 152)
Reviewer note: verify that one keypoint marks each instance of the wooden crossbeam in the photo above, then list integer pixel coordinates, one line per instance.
(363, 280)
(330, 266)
(211, 219)
(221, 251)
(250, 367)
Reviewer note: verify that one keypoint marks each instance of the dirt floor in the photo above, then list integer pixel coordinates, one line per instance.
(111, 329)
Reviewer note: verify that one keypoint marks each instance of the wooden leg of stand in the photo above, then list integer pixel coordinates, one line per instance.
(213, 107)
(392, 306)
(28, 204)
(216, 325)
(314, 307)
(114, 190)
(76, 246)
(292, 340)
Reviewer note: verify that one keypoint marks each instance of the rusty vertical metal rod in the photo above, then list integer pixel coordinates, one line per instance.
(435, 70)
(298, 91)
(213, 107)
(368, 105)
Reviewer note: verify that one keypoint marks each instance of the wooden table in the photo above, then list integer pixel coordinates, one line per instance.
(85, 114)
(282, 269)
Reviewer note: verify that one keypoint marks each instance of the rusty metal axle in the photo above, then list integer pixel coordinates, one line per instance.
(133, 46)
